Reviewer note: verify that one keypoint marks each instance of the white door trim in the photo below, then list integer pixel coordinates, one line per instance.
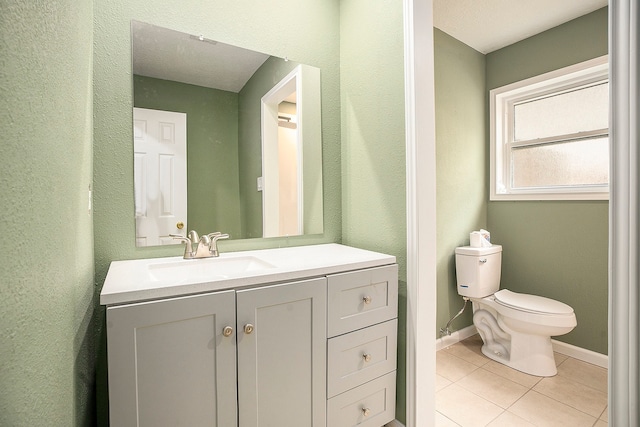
(421, 212)
(624, 245)
(270, 166)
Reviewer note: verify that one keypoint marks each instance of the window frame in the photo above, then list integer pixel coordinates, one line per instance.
(501, 104)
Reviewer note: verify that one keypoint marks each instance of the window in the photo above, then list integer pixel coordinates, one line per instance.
(550, 135)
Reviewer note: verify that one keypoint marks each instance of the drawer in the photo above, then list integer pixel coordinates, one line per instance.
(361, 356)
(370, 405)
(361, 298)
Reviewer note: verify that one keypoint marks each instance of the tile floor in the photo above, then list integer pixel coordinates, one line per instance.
(473, 390)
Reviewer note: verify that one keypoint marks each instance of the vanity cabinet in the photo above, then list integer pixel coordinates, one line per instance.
(286, 346)
(171, 362)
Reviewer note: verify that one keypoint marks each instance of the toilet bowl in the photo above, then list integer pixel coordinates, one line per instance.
(516, 328)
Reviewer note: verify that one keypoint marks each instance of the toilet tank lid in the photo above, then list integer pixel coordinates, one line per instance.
(531, 303)
(470, 250)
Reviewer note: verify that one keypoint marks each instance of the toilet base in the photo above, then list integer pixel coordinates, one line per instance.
(524, 351)
(530, 354)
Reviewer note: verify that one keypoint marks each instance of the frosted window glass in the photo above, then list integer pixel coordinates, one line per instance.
(582, 162)
(580, 110)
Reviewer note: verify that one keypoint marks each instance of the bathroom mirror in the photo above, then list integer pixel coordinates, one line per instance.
(225, 139)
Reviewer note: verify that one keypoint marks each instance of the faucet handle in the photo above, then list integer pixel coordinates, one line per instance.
(188, 249)
(180, 237)
(218, 236)
(213, 246)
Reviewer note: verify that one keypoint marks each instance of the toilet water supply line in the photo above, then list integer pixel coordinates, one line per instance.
(445, 331)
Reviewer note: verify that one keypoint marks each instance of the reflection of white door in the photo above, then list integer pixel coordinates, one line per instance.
(282, 196)
(160, 175)
(288, 179)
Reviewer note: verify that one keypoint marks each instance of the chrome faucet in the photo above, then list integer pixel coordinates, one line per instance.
(205, 246)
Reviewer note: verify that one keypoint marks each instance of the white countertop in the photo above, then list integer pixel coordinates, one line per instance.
(131, 281)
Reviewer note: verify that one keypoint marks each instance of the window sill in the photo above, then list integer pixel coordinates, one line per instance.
(514, 197)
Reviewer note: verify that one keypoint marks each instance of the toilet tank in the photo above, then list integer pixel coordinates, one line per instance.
(478, 270)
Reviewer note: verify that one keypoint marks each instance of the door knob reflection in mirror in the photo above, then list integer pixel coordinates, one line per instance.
(180, 225)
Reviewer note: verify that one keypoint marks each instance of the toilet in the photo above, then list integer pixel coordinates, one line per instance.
(516, 328)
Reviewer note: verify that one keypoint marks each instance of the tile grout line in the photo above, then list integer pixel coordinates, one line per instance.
(443, 415)
(580, 385)
(603, 411)
(529, 389)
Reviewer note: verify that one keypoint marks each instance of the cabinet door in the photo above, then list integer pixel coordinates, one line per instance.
(282, 361)
(170, 364)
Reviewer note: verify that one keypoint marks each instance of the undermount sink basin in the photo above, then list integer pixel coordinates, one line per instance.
(207, 269)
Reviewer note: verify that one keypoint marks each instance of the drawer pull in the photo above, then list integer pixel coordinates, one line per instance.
(366, 412)
(248, 328)
(366, 357)
(227, 331)
(367, 299)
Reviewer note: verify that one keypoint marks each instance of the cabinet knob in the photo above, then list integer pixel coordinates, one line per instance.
(366, 357)
(248, 328)
(367, 299)
(227, 331)
(366, 412)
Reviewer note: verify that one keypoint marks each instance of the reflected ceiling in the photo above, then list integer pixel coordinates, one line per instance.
(189, 58)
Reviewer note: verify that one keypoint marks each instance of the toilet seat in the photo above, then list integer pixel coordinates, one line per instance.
(531, 303)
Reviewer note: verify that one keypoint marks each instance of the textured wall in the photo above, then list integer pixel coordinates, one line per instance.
(461, 163)
(46, 274)
(373, 140)
(558, 249)
(261, 26)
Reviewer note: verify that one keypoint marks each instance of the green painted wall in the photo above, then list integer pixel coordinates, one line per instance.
(213, 197)
(556, 249)
(373, 141)
(461, 163)
(259, 26)
(47, 330)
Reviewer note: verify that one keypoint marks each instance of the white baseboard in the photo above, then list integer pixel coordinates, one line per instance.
(455, 337)
(394, 423)
(579, 353)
